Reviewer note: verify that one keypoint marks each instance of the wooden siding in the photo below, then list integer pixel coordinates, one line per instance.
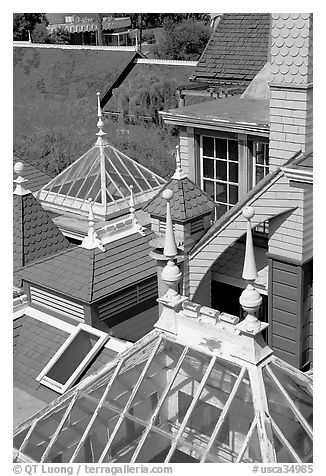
(307, 325)
(274, 199)
(56, 303)
(124, 301)
(203, 294)
(288, 233)
(308, 225)
(183, 142)
(290, 123)
(285, 311)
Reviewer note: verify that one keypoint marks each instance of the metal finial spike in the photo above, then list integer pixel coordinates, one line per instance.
(170, 247)
(249, 267)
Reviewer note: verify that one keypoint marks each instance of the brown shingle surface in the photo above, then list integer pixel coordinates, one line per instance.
(90, 275)
(237, 50)
(188, 201)
(34, 235)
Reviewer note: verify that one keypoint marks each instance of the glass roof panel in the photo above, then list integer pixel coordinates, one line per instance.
(282, 454)
(299, 394)
(237, 415)
(100, 167)
(289, 424)
(78, 170)
(73, 428)
(41, 435)
(253, 453)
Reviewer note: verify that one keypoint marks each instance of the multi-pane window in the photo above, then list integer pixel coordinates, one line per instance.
(260, 161)
(220, 171)
(260, 169)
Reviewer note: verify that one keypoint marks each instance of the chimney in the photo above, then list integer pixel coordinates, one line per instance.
(290, 86)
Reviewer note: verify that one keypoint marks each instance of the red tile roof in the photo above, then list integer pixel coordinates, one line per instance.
(35, 235)
(91, 275)
(237, 50)
(189, 201)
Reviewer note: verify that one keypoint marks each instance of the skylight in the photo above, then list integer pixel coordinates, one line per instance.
(71, 359)
(161, 401)
(105, 175)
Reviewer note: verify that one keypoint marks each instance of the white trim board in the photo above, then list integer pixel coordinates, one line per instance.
(112, 344)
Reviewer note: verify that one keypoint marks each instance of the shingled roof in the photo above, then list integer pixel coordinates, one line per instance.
(237, 50)
(90, 275)
(188, 202)
(37, 343)
(36, 177)
(35, 236)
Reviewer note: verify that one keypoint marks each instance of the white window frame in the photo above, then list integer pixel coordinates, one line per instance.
(61, 388)
(215, 181)
(263, 166)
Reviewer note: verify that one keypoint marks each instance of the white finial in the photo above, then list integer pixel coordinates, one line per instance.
(132, 203)
(170, 247)
(132, 210)
(92, 239)
(100, 122)
(250, 298)
(179, 173)
(20, 190)
(171, 274)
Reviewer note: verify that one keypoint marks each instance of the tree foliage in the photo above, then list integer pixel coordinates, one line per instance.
(143, 97)
(184, 40)
(61, 36)
(25, 22)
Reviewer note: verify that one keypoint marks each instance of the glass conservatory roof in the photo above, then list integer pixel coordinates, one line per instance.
(104, 174)
(162, 401)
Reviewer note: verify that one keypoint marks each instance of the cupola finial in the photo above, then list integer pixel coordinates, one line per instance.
(20, 190)
(171, 274)
(179, 173)
(92, 239)
(250, 298)
(100, 122)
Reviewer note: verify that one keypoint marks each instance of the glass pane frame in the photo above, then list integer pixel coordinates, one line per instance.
(230, 179)
(44, 379)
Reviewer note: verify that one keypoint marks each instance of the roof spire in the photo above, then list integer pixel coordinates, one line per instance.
(250, 298)
(92, 239)
(20, 190)
(179, 173)
(171, 274)
(100, 122)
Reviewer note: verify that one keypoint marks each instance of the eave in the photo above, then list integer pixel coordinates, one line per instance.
(215, 124)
